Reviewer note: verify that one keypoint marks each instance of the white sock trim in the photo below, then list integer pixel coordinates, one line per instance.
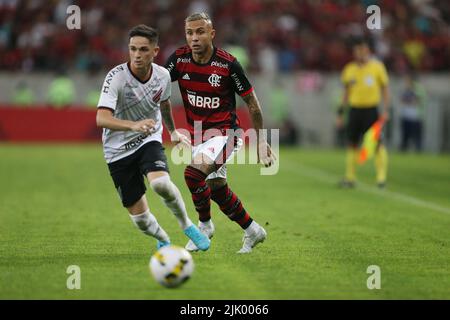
(147, 223)
(140, 215)
(251, 228)
(163, 180)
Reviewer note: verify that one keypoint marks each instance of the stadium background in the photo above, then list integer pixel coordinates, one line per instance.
(293, 51)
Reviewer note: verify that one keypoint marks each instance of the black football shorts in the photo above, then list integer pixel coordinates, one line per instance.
(359, 121)
(128, 173)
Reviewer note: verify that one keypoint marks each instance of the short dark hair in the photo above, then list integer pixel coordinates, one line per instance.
(363, 40)
(144, 31)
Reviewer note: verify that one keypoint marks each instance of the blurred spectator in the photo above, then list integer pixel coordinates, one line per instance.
(279, 103)
(199, 6)
(92, 99)
(239, 52)
(61, 92)
(415, 52)
(412, 104)
(289, 135)
(336, 102)
(279, 113)
(304, 34)
(23, 95)
(267, 60)
(93, 95)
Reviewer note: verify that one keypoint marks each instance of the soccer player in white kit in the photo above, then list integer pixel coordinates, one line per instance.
(133, 102)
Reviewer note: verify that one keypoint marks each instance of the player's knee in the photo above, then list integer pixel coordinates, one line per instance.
(215, 184)
(135, 207)
(191, 173)
(163, 186)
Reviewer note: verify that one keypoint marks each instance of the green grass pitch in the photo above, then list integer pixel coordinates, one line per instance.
(58, 208)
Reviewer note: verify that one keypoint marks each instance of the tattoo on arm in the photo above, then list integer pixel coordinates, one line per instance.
(255, 110)
(166, 113)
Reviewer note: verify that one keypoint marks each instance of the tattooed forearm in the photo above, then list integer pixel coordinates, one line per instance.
(255, 110)
(166, 113)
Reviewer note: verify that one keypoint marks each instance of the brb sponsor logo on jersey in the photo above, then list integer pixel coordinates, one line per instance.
(203, 102)
(206, 102)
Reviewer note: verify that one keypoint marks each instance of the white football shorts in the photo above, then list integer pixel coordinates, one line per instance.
(214, 149)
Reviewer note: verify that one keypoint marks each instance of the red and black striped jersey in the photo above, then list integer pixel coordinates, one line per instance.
(208, 90)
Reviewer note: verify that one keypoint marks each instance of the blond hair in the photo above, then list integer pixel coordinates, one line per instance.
(198, 16)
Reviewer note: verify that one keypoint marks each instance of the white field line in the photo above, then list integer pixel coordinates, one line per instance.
(325, 177)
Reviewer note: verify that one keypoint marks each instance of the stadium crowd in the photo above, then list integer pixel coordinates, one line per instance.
(272, 36)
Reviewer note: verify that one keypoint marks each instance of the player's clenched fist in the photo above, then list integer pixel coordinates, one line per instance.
(180, 139)
(145, 126)
(265, 155)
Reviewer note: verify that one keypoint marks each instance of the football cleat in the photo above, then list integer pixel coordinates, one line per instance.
(207, 230)
(198, 239)
(346, 184)
(160, 244)
(252, 238)
(381, 185)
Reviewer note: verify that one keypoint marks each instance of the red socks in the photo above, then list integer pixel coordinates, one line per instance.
(201, 193)
(227, 200)
(230, 204)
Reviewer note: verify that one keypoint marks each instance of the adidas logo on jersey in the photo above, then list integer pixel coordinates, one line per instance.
(186, 77)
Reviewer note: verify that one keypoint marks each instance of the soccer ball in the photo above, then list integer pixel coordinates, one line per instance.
(171, 266)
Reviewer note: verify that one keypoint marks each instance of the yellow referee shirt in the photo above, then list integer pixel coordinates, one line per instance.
(364, 83)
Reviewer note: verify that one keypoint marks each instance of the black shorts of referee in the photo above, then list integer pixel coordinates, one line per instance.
(359, 121)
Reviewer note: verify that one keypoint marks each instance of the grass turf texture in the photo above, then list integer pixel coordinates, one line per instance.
(58, 207)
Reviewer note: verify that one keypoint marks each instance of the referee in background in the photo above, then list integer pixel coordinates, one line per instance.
(366, 85)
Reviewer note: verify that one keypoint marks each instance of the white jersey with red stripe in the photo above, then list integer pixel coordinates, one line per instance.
(134, 100)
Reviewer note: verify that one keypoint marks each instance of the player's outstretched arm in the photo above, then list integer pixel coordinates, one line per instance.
(265, 155)
(166, 114)
(106, 119)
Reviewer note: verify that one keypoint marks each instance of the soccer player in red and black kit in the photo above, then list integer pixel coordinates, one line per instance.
(208, 78)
